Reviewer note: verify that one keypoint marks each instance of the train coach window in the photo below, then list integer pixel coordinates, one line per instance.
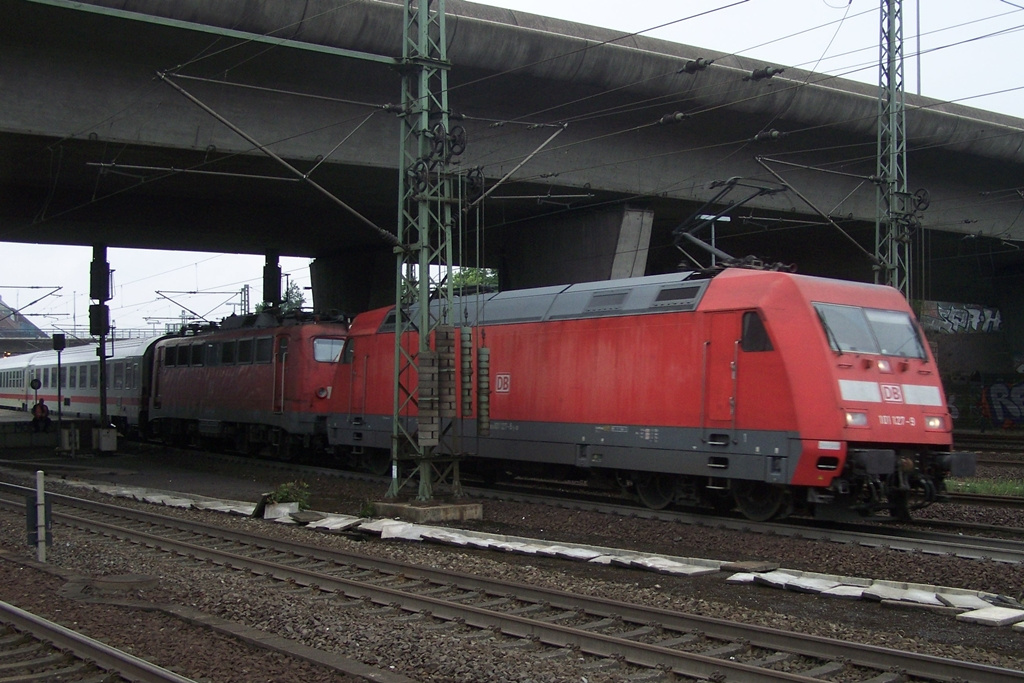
(73, 377)
(118, 375)
(244, 351)
(94, 375)
(198, 354)
(228, 351)
(327, 350)
(755, 337)
(264, 350)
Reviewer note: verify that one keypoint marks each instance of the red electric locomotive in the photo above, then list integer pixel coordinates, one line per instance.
(257, 383)
(766, 391)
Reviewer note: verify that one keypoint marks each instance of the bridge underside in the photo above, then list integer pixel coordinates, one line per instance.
(96, 148)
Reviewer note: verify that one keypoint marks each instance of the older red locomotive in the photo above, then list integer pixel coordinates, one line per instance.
(256, 383)
(766, 391)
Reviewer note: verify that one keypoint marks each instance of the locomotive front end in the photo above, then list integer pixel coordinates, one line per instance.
(896, 430)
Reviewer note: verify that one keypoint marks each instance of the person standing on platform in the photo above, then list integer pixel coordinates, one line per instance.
(41, 417)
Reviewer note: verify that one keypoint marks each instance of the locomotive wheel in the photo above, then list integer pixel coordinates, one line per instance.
(655, 491)
(759, 501)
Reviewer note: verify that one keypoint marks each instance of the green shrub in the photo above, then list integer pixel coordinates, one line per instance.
(291, 492)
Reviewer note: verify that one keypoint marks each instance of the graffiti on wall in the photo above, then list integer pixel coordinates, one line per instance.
(950, 318)
(1003, 404)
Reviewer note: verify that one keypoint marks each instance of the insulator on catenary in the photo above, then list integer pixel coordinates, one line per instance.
(674, 117)
(695, 65)
(761, 74)
(767, 135)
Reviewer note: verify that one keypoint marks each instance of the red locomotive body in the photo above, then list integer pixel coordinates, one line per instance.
(766, 390)
(254, 383)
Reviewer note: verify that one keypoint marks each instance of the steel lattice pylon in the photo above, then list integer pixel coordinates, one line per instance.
(424, 376)
(894, 205)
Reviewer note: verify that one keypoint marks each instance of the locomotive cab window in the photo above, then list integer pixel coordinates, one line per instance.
(755, 336)
(851, 329)
(327, 350)
(349, 352)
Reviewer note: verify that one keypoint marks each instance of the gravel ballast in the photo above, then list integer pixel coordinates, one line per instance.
(422, 651)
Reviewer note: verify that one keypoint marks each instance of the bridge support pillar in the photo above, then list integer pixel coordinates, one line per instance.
(585, 247)
(353, 282)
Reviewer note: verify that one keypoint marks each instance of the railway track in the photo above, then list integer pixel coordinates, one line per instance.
(547, 622)
(1003, 442)
(35, 649)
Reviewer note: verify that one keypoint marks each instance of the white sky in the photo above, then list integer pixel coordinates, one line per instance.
(970, 52)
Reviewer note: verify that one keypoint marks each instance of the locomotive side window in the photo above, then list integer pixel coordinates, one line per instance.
(327, 350)
(228, 351)
(755, 337)
(244, 351)
(171, 356)
(868, 330)
(198, 353)
(264, 349)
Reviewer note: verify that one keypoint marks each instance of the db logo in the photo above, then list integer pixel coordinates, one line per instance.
(892, 393)
(503, 383)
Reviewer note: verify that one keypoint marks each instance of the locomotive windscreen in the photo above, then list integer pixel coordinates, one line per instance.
(870, 330)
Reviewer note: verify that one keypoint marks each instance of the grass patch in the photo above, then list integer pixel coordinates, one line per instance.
(987, 487)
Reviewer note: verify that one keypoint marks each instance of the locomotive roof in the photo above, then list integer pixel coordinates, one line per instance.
(631, 296)
(671, 292)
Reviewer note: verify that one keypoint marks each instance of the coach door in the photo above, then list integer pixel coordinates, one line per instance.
(721, 354)
(280, 372)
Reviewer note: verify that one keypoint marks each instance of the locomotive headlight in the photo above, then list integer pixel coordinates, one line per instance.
(855, 418)
(935, 423)
(883, 365)
(323, 392)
